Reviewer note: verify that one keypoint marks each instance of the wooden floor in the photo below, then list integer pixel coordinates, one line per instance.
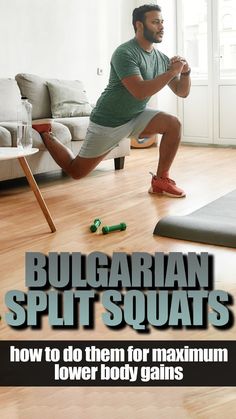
(205, 174)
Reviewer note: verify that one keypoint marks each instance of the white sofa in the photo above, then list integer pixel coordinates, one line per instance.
(69, 129)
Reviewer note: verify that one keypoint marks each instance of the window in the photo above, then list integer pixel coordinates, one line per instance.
(227, 26)
(195, 36)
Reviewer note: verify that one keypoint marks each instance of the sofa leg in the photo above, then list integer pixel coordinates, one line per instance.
(119, 163)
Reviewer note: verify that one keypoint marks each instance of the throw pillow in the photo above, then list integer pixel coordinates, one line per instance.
(68, 98)
(35, 89)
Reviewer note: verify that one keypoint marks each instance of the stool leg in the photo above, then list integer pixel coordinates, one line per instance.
(38, 195)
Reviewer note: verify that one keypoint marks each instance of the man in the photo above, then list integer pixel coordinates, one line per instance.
(138, 71)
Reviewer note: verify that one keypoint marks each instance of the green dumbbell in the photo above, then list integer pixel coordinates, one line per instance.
(95, 225)
(108, 229)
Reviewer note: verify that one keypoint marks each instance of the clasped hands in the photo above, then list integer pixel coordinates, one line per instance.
(179, 64)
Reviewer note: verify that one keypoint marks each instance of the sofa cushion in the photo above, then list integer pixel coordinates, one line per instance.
(77, 126)
(36, 90)
(11, 127)
(60, 131)
(5, 137)
(68, 98)
(9, 99)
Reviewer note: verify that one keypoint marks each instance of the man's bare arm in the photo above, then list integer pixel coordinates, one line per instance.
(180, 85)
(141, 89)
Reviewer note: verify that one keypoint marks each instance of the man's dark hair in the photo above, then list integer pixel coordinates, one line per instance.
(139, 13)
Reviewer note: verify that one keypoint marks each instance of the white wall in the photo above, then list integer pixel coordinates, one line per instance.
(63, 38)
(71, 38)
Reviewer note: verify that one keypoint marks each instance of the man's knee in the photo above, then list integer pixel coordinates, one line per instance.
(174, 123)
(76, 176)
(81, 167)
(164, 123)
(76, 173)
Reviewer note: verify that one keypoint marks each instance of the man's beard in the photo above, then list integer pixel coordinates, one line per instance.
(148, 35)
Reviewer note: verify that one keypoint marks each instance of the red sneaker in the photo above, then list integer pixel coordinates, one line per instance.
(165, 186)
(42, 127)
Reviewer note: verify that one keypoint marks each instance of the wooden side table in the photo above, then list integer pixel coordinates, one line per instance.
(8, 153)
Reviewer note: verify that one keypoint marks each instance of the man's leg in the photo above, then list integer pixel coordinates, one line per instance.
(170, 127)
(77, 167)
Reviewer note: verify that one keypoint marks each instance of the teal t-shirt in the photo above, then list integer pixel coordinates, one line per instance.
(117, 105)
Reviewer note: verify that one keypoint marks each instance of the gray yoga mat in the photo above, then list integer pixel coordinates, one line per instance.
(214, 223)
